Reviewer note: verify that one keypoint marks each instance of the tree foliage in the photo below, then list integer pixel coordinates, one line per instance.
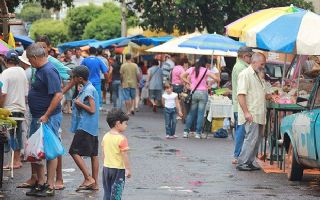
(55, 4)
(188, 15)
(32, 12)
(78, 18)
(56, 30)
(106, 26)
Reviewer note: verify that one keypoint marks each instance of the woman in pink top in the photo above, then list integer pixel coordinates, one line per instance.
(176, 81)
(200, 96)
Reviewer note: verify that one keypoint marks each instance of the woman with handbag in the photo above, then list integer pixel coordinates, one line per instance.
(196, 80)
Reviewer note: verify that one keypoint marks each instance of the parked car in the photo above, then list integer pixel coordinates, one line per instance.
(301, 135)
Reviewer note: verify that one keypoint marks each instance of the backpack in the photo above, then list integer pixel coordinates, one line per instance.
(221, 133)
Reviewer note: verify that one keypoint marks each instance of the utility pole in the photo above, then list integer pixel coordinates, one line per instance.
(5, 19)
(123, 18)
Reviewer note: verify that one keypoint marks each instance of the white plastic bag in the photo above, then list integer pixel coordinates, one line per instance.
(34, 150)
(144, 93)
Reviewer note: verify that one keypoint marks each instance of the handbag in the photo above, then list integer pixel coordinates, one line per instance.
(188, 98)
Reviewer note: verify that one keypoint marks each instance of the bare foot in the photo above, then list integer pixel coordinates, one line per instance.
(31, 181)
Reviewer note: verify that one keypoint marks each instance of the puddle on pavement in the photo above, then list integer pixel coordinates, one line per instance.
(168, 152)
(156, 138)
(142, 188)
(196, 183)
(259, 187)
(140, 137)
(68, 170)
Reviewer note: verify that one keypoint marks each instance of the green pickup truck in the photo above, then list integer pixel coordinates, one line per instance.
(301, 135)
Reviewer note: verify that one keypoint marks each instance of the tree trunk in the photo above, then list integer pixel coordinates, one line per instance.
(5, 19)
(123, 18)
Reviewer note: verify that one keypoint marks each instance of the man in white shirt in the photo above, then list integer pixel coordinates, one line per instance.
(252, 111)
(13, 98)
(77, 58)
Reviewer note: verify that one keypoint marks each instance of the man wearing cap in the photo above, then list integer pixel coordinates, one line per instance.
(13, 98)
(243, 61)
(85, 126)
(44, 102)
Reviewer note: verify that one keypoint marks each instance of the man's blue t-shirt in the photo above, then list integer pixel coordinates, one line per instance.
(47, 82)
(95, 65)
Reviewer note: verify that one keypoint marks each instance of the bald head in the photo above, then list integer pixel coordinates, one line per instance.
(258, 60)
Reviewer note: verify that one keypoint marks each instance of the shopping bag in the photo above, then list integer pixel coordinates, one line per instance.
(52, 144)
(144, 93)
(34, 150)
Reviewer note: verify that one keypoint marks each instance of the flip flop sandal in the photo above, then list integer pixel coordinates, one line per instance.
(25, 185)
(60, 187)
(85, 187)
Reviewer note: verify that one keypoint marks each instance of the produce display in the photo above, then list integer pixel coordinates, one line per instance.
(220, 99)
(288, 93)
(5, 119)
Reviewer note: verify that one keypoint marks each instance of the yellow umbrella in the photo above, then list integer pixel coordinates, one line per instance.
(255, 20)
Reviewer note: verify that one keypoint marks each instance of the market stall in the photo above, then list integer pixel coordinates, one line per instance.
(6, 124)
(295, 84)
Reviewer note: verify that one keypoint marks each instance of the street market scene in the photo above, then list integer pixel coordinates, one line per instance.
(139, 99)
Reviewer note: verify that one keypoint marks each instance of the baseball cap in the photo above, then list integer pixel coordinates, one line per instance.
(245, 49)
(11, 54)
(80, 71)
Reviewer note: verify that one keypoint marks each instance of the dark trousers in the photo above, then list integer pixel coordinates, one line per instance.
(113, 183)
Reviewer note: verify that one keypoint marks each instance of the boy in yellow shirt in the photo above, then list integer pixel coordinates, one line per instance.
(115, 147)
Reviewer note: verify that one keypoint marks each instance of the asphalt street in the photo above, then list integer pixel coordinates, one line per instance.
(179, 169)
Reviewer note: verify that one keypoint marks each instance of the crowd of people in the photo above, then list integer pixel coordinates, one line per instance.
(78, 85)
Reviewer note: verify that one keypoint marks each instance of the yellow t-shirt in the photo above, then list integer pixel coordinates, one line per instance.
(113, 145)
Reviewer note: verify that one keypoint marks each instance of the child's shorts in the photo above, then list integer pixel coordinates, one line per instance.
(84, 144)
(113, 183)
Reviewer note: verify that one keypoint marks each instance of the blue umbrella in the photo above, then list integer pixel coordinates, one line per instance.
(212, 42)
(25, 40)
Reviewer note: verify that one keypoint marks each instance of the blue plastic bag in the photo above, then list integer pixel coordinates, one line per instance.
(51, 143)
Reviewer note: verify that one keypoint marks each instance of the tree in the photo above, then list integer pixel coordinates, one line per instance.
(187, 15)
(106, 26)
(32, 12)
(55, 4)
(78, 18)
(56, 30)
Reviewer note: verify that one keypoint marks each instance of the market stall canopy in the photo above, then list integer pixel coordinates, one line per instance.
(25, 40)
(74, 44)
(283, 29)
(212, 42)
(155, 41)
(126, 41)
(172, 46)
(108, 43)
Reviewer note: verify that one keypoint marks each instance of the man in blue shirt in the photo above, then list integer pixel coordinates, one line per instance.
(95, 65)
(44, 102)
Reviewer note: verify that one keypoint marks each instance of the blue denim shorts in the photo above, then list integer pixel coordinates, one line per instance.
(129, 93)
(54, 123)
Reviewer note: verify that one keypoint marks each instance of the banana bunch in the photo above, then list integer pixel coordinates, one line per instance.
(5, 119)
